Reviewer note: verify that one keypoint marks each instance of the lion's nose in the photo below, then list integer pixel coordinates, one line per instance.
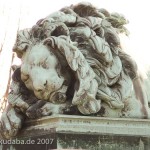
(39, 86)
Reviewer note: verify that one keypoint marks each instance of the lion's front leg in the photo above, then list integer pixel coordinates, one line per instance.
(11, 122)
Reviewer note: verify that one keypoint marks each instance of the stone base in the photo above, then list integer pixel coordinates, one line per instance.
(81, 132)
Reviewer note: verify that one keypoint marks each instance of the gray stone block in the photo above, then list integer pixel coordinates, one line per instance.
(81, 132)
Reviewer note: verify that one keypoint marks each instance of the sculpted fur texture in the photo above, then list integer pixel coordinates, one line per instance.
(73, 63)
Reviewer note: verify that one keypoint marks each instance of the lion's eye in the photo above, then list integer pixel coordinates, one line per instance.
(44, 65)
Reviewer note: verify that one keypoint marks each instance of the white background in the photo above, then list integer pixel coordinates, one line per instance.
(30, 11)
(137, 12)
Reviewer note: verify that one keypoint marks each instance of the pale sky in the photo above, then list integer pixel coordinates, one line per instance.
(137, 12)
(30, 11)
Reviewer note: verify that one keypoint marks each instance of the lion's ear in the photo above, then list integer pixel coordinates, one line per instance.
(22, 42)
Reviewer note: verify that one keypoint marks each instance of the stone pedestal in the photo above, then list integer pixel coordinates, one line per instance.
(81, 132)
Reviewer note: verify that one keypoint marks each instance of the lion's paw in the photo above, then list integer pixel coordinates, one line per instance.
(89, 105)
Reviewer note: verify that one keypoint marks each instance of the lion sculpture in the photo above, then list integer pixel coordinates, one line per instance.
(73, 63)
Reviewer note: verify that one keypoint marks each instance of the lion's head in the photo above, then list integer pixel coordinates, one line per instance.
(39, 72)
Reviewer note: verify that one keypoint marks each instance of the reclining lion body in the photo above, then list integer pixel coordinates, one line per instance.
(73, 59)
